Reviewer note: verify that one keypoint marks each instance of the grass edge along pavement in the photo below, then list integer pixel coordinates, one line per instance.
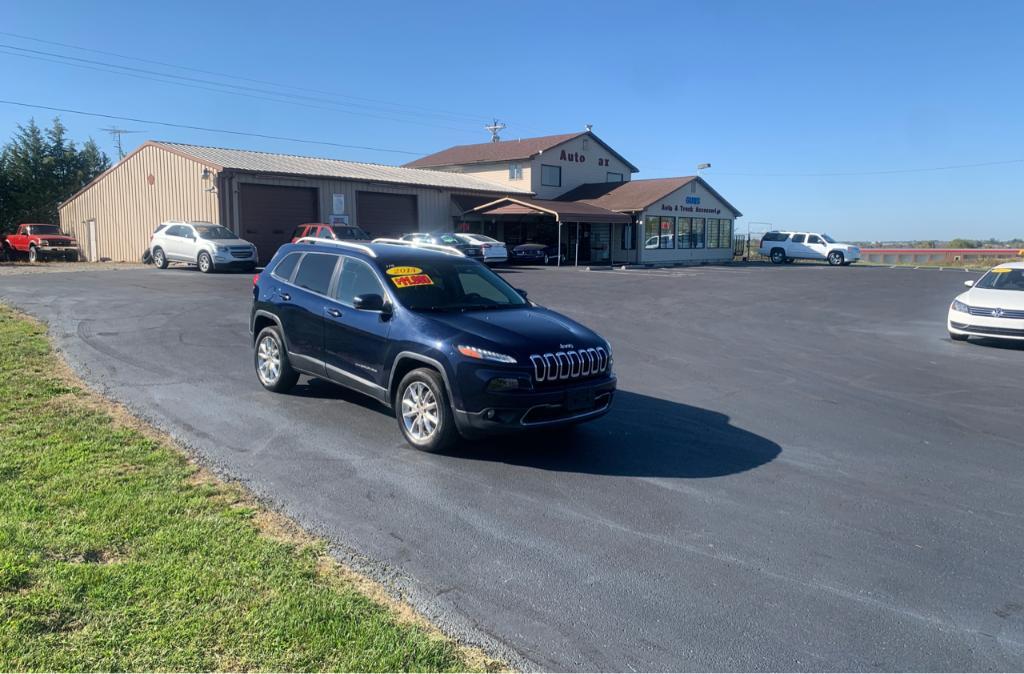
(119, 553)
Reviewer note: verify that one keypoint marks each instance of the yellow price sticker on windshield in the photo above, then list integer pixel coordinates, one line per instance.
(412, 280)
(1001, 270)
(404, 271)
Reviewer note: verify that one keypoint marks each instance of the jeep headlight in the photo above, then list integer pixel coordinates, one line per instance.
(960, 306)
(484, 354)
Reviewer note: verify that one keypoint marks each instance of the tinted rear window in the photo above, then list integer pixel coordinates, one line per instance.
(286, 266)
(775, 236)
(315, 271)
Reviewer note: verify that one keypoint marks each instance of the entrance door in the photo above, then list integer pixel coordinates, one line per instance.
(91, 233)
(600, 243)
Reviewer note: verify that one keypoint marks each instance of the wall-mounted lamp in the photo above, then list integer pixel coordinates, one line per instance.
(207, 177)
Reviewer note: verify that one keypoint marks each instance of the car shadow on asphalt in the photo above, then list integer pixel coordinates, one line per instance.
(641, 436)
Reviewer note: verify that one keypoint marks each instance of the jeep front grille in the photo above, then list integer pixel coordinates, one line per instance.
(563, 365)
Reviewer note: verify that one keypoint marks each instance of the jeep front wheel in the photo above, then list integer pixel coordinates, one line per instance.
(423, 412)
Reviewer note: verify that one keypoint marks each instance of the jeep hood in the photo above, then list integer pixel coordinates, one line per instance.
(518, 332)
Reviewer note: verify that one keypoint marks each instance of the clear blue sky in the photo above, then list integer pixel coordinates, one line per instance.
(766, 88)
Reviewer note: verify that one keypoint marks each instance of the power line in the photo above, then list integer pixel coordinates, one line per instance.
(209, 129)
(217, 86)
(873, 173)
(418, 109)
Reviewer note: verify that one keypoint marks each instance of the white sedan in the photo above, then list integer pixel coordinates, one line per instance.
(495, 252)
(993, 307)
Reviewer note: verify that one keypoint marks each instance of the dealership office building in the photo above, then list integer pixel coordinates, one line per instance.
(570, 189)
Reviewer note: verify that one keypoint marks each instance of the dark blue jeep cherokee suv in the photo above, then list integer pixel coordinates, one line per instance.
(438, 337)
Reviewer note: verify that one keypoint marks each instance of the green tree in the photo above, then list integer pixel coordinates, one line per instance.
(963, 243)
(39, 169)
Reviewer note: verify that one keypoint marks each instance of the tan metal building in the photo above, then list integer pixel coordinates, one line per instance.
(261, 196)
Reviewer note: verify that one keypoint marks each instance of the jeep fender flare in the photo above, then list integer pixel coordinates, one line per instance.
(261, 313)
(426, 360)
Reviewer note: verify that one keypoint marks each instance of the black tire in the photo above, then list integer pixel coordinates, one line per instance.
(957, 337)
(444, 433)
(204, 262)
(5, 254)
(33, 254)
(835, 258)
(284, 377)
(159, 258)
(778, 256)
(547, 259)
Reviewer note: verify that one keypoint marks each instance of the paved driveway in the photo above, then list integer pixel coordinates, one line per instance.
(800, 472)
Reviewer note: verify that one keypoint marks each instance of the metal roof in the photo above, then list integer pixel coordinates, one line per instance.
(506, 150)
(267, 162)
(564, 211)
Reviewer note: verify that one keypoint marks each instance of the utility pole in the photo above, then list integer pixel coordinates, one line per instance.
(494, 127)
(115, 133)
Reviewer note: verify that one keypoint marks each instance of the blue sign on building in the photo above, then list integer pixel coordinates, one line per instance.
(693, 200)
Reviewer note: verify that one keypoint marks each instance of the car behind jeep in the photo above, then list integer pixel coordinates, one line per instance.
(787, 247)
(39, 242)
(441, 339)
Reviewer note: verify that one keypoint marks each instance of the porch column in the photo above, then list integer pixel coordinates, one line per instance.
(577, 244)
(558, 254)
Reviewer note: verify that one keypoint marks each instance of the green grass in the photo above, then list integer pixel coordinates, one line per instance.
(114, 557)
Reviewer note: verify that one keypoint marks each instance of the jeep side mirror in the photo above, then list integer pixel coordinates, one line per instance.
(368, 302)
(521, 292)
(969, 284)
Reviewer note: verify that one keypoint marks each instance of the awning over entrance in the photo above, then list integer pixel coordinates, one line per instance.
(562, 211)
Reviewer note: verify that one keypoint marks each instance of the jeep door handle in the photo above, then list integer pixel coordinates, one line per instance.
(334, 312)
(286, 297)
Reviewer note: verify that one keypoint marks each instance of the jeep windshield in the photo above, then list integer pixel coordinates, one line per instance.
(455, 285)
(214, 232)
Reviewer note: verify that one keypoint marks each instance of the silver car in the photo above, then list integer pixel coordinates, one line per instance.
(209, 247)
(495, 252)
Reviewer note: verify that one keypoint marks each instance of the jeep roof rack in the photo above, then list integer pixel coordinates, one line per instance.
(447, 250)
(344, 244)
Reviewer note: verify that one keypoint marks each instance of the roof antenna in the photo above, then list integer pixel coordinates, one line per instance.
(116, 133)
(589, 126)
(494, 127)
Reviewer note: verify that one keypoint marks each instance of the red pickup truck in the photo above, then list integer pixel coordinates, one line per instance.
(39, 242)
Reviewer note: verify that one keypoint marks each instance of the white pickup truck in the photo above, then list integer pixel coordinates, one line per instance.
(784, 247)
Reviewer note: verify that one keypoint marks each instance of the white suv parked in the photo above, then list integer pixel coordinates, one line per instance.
(789, 246)
(203, 244)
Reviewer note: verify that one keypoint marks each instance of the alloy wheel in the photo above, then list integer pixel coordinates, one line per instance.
(268, 360)
(419, 411)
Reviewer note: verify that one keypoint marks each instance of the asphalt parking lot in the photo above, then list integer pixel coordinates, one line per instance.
(801, 471)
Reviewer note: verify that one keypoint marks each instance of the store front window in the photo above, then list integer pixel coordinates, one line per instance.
(697, 233)
(651, 226)
(713, 233)
(726, 236)
(683, 226)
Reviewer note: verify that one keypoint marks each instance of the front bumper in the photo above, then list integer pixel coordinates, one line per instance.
(544, 408)
(229, 261)
(961, 323)
(56, 251)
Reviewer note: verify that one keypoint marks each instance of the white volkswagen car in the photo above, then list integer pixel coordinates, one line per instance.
(209, 247)
(993, 307)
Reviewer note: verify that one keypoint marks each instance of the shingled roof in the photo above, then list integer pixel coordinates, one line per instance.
(506, 150)
(635, 195)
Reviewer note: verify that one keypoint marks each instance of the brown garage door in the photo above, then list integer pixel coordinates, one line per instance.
(270, 213)
(388, 215)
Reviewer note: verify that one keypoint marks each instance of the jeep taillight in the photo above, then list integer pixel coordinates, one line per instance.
(256, 279)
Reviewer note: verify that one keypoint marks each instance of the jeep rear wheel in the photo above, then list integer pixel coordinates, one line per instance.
(835, 258)
(271, 360)
(423, 411)
(778, 256)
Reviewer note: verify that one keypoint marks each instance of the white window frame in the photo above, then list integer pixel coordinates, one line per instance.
(515, 171)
